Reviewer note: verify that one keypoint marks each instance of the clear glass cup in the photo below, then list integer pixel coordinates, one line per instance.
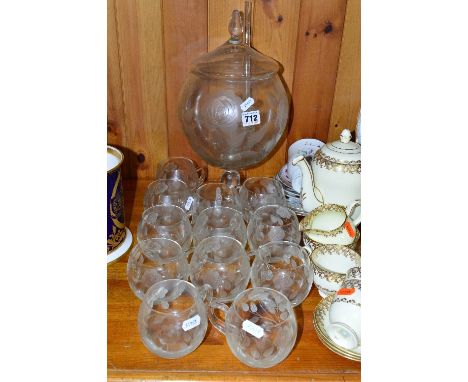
(216, 194)
(260, 326)
(162, 259)
(168, 221)
(167, 192)
(184, 169)
(220, 262)
(260, 191)
(172, 319)
(272, 223)
(220, 221)
(285, 267)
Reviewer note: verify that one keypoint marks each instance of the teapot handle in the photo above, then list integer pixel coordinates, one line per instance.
(217, 322)
(350, 210)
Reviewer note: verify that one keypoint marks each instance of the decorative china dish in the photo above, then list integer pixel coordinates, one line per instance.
(283, 177)
(293, 198)
(321, 322)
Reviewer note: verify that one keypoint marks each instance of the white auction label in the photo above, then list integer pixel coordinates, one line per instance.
(188, 203)
(255, 330)
(250, 118)
(191, 323)
(247, 103)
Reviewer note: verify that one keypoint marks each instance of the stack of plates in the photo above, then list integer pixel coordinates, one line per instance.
(293, 198)
(321, 321)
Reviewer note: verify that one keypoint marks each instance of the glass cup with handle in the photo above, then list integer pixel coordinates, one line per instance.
(220, 262)
(172, 319)
(183, 169)
(220, 221)
(285, 267)
(167, 192)
(213, 194)
(260, 191)
(162, 259)
(272, 223)
(260, 326)
(168, 221)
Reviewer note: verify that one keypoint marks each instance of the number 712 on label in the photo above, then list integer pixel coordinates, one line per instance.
(250, 118)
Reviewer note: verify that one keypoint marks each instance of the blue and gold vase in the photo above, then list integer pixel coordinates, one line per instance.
(115, 204)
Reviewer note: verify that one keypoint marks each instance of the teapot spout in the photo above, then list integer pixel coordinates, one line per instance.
(310, 195)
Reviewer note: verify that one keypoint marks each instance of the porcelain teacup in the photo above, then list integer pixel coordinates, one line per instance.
(330, 263)
(345, 315)
(353, 273)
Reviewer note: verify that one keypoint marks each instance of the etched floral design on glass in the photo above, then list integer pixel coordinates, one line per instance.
(167, 192)
(213, 194)
(221, 262)
(260, 326)
(167, 221)
(172, 318)
(272, 223)
(260, 191)
(285, 267)
(220, 221)
(161, 259)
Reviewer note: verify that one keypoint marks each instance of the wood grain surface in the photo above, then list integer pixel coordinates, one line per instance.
(185, 39)
(317, 55)
(128, 359)
(347, 97)
(141, 55)
(151, 44)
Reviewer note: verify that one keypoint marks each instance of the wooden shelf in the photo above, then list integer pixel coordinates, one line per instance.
(128, 359)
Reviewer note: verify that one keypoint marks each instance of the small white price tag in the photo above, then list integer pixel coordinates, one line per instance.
(247, 103)
(250, 118)
(188, 203)
(191, 323)
(255, 330)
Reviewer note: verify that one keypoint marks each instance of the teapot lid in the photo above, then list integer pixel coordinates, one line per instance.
(235, 59)
(342, 155)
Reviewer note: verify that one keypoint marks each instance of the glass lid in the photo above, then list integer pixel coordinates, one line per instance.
(235, 59)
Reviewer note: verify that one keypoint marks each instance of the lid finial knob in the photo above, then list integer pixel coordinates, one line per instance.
(345, 136)
(235, 27)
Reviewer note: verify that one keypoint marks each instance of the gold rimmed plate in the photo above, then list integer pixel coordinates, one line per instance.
(321, 321)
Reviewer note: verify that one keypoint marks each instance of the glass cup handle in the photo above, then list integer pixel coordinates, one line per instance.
(201, 175)
(206, 293)
(217, 322)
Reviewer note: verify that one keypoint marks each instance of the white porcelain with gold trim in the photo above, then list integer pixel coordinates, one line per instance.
(335, 175)
(331, 224)
(345, 315)
(330, 264)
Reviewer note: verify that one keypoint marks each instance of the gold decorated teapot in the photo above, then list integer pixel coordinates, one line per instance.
(335, 175)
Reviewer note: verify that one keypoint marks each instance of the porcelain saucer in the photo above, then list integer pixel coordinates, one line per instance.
(296, 207)
(321, 321)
